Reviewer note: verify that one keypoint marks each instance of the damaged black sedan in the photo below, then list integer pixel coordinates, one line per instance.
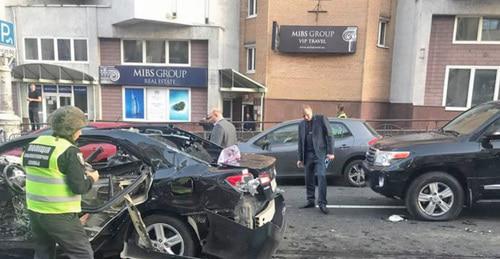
(162, 194)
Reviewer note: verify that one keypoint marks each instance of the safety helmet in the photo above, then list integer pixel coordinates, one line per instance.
(67, 120)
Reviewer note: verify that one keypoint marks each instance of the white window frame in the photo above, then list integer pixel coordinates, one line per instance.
(471, 85)
(144, 55)
(73, 50)
(254, 58)
(380, 22)
(38, 45)
(145, 89)
(479, 31)
(167, 54)
(56, 51)
(251, 15)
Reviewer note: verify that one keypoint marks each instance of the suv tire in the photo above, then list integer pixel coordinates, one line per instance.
(435, 196)
(354, 174)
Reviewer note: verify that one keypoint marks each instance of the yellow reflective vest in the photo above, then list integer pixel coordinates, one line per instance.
(46, 188)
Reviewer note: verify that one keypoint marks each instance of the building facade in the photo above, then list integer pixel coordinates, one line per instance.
(292, 48)
(154, 61)
(446, 57)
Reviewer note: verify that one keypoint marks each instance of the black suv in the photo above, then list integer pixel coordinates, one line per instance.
(437, 173)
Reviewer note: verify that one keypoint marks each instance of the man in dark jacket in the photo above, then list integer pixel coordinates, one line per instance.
(316, 145)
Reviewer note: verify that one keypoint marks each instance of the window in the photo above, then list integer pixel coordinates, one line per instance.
(491, 29)
(31, 49)
(134, 103)
(178, 52)
(227, 109)
(250, 59)
(64, 49)
(469, 86)
(466, 28)
(157, 104)
(80, 93)
(132, 51)
(155, 51)
(47, 49)
(477, 30)
(285, 135)
(80, 50)
(339, 130)
(382, 31)
(252, 8)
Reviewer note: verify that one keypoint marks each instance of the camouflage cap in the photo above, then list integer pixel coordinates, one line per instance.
(66, 120)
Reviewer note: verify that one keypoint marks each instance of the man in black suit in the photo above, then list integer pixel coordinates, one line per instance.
(316, 145)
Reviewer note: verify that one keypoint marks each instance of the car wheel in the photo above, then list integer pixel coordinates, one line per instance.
(354, 174)
(435, 197)
(170, 235)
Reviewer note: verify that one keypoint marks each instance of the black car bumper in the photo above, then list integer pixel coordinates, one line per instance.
(388, 181)
(228, 239)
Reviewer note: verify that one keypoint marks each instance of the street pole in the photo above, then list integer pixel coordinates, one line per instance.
(9, 122)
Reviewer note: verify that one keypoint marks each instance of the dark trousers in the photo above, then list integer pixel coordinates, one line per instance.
(63, 229)
(315, 165)
(34, 118)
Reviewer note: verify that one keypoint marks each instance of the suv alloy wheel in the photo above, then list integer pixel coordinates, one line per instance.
(435, 196)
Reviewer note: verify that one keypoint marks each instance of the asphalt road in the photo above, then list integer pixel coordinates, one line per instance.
(358, 227)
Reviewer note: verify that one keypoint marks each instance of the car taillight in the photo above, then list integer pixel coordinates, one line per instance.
(373, 141)
(237, 180)
(265, 178)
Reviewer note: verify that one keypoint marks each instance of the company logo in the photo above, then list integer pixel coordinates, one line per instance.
(109, 73)
(350, 34)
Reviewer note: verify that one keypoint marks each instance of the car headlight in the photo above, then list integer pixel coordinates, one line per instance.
(385, 158)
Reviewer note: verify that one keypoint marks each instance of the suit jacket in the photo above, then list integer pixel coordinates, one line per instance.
(322, 137)
(224, 134)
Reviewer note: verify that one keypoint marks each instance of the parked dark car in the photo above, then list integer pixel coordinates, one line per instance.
(437, 173)
(352, 139)
(161, 195)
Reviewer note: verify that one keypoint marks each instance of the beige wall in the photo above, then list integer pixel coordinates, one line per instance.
(330, 78)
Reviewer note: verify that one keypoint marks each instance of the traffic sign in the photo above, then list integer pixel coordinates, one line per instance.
(7, 39)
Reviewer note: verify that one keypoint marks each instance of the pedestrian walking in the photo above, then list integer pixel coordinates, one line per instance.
(55, 180)
(224, 132)
(340, 112)
(315, 151)
(34, 99)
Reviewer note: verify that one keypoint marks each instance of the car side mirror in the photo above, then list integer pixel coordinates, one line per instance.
(486, 141)
(182, 165)
(266, 144)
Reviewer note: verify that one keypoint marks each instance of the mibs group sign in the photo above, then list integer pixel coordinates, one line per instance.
(7, 44)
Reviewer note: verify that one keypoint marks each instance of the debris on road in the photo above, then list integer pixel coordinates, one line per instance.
(396, 218)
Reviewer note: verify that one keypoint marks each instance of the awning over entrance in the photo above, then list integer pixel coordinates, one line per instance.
(50, 74)
(233, 81)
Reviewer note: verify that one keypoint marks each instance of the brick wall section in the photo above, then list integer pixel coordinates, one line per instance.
(199, 53)
(110, 51)
(111, 97)
(443, 52)
(199, 104)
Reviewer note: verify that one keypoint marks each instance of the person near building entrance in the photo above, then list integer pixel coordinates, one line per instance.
(34, 100)
(224, 132)
(56, 177)
(340, 112)
(315, 151)
(249, 124)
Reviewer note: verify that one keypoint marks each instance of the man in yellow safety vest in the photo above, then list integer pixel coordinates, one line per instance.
(55, 180)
